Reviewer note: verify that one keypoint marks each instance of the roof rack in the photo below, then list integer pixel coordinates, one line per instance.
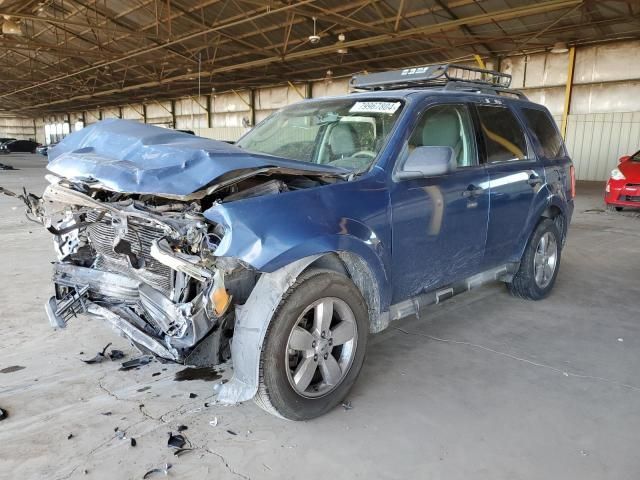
(449, 76)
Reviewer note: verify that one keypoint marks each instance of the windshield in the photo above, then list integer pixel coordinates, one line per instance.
(345, 133)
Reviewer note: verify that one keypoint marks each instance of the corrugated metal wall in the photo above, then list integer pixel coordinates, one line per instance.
(19, 128)
(604, 119)
(597, 140)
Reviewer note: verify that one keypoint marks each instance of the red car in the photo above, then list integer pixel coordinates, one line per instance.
(623, 186)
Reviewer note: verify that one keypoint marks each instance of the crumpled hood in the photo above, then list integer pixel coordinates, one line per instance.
(131, 157)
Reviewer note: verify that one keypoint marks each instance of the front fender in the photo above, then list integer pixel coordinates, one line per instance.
(252, 321)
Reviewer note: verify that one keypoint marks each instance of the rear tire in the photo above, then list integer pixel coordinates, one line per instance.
(299, 381)
(540, 263)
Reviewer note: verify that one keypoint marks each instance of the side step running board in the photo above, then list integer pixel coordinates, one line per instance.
(412, 306)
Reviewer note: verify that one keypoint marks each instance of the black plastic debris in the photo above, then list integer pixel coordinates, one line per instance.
(144, 389)
(12, 368)
(3, 414)
(116, 355)
(347, 405)
(162, 470)
(100, 356)
(70, 436)
(193, 395)
(106, 414)
(155, 374)
(175, 441)
(182, 428)
(207, 404)
(231, 432)
(136, 362)
(181, 451)
(133, 442)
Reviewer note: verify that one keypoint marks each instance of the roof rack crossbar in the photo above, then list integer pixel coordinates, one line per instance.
(445, 75)
(486, 89)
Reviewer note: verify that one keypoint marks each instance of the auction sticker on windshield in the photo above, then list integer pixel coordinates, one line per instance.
(374, 107)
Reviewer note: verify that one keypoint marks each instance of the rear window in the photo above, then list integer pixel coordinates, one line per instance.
(546, 132)
(503, 136)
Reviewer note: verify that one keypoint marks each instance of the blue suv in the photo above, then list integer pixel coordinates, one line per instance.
(327, 221)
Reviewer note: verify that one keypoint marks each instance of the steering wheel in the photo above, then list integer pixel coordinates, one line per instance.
(365, 153)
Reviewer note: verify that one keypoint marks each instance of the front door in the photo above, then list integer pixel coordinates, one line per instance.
(439, 223)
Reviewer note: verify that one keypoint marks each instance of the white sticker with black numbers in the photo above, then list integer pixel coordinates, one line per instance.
(375, 107)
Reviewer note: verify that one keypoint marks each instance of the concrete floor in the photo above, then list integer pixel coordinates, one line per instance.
(485, 386)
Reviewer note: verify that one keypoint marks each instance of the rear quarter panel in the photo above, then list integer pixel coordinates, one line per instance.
(556, 191)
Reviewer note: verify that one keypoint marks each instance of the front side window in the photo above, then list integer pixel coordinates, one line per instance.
(447, 126)
(503, 135)
(345, 133)
(546, 132)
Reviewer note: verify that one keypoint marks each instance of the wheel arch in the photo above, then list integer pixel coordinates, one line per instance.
(360, 272)
(554, 212)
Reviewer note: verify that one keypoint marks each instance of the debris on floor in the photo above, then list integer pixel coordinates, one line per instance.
(182, 451)
(12, 368)
(231, 432)
(113, 355)
(156, 374)
(3, 414)
(347, 405)
(70, 436)
(133, 442)
(116, 355)
(6, 167)
(214, 422)
(206, 374)
(182, 428)
(136, 362)
(175, 441)
(162, 470)
(193, 395)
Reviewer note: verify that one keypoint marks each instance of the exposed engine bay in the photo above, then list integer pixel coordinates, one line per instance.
(146, 264)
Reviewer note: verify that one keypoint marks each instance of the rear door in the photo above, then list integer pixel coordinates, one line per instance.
(515, 176)
(550, 148)
(439, 223)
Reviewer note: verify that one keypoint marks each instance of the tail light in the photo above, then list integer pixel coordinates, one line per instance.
(572, 173)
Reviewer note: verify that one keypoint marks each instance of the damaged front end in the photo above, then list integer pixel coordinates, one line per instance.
(145, 265)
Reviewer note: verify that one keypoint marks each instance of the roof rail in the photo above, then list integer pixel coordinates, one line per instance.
(450, 76)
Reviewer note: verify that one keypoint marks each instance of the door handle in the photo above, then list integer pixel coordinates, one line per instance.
(534, 180)
(472, 191)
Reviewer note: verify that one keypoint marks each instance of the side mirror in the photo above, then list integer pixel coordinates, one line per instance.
(428, 162)
(624, 158)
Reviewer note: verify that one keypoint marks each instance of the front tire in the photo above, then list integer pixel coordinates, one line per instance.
(540, 263)
(314, 348)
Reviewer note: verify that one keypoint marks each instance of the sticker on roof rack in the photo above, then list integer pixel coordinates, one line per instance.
(374, 107)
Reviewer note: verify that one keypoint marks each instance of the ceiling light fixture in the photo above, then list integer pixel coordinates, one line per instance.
(559, 47)
(10, 27)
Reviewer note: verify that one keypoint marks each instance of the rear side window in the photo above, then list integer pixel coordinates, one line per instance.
(503, 135)
(546, 131)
